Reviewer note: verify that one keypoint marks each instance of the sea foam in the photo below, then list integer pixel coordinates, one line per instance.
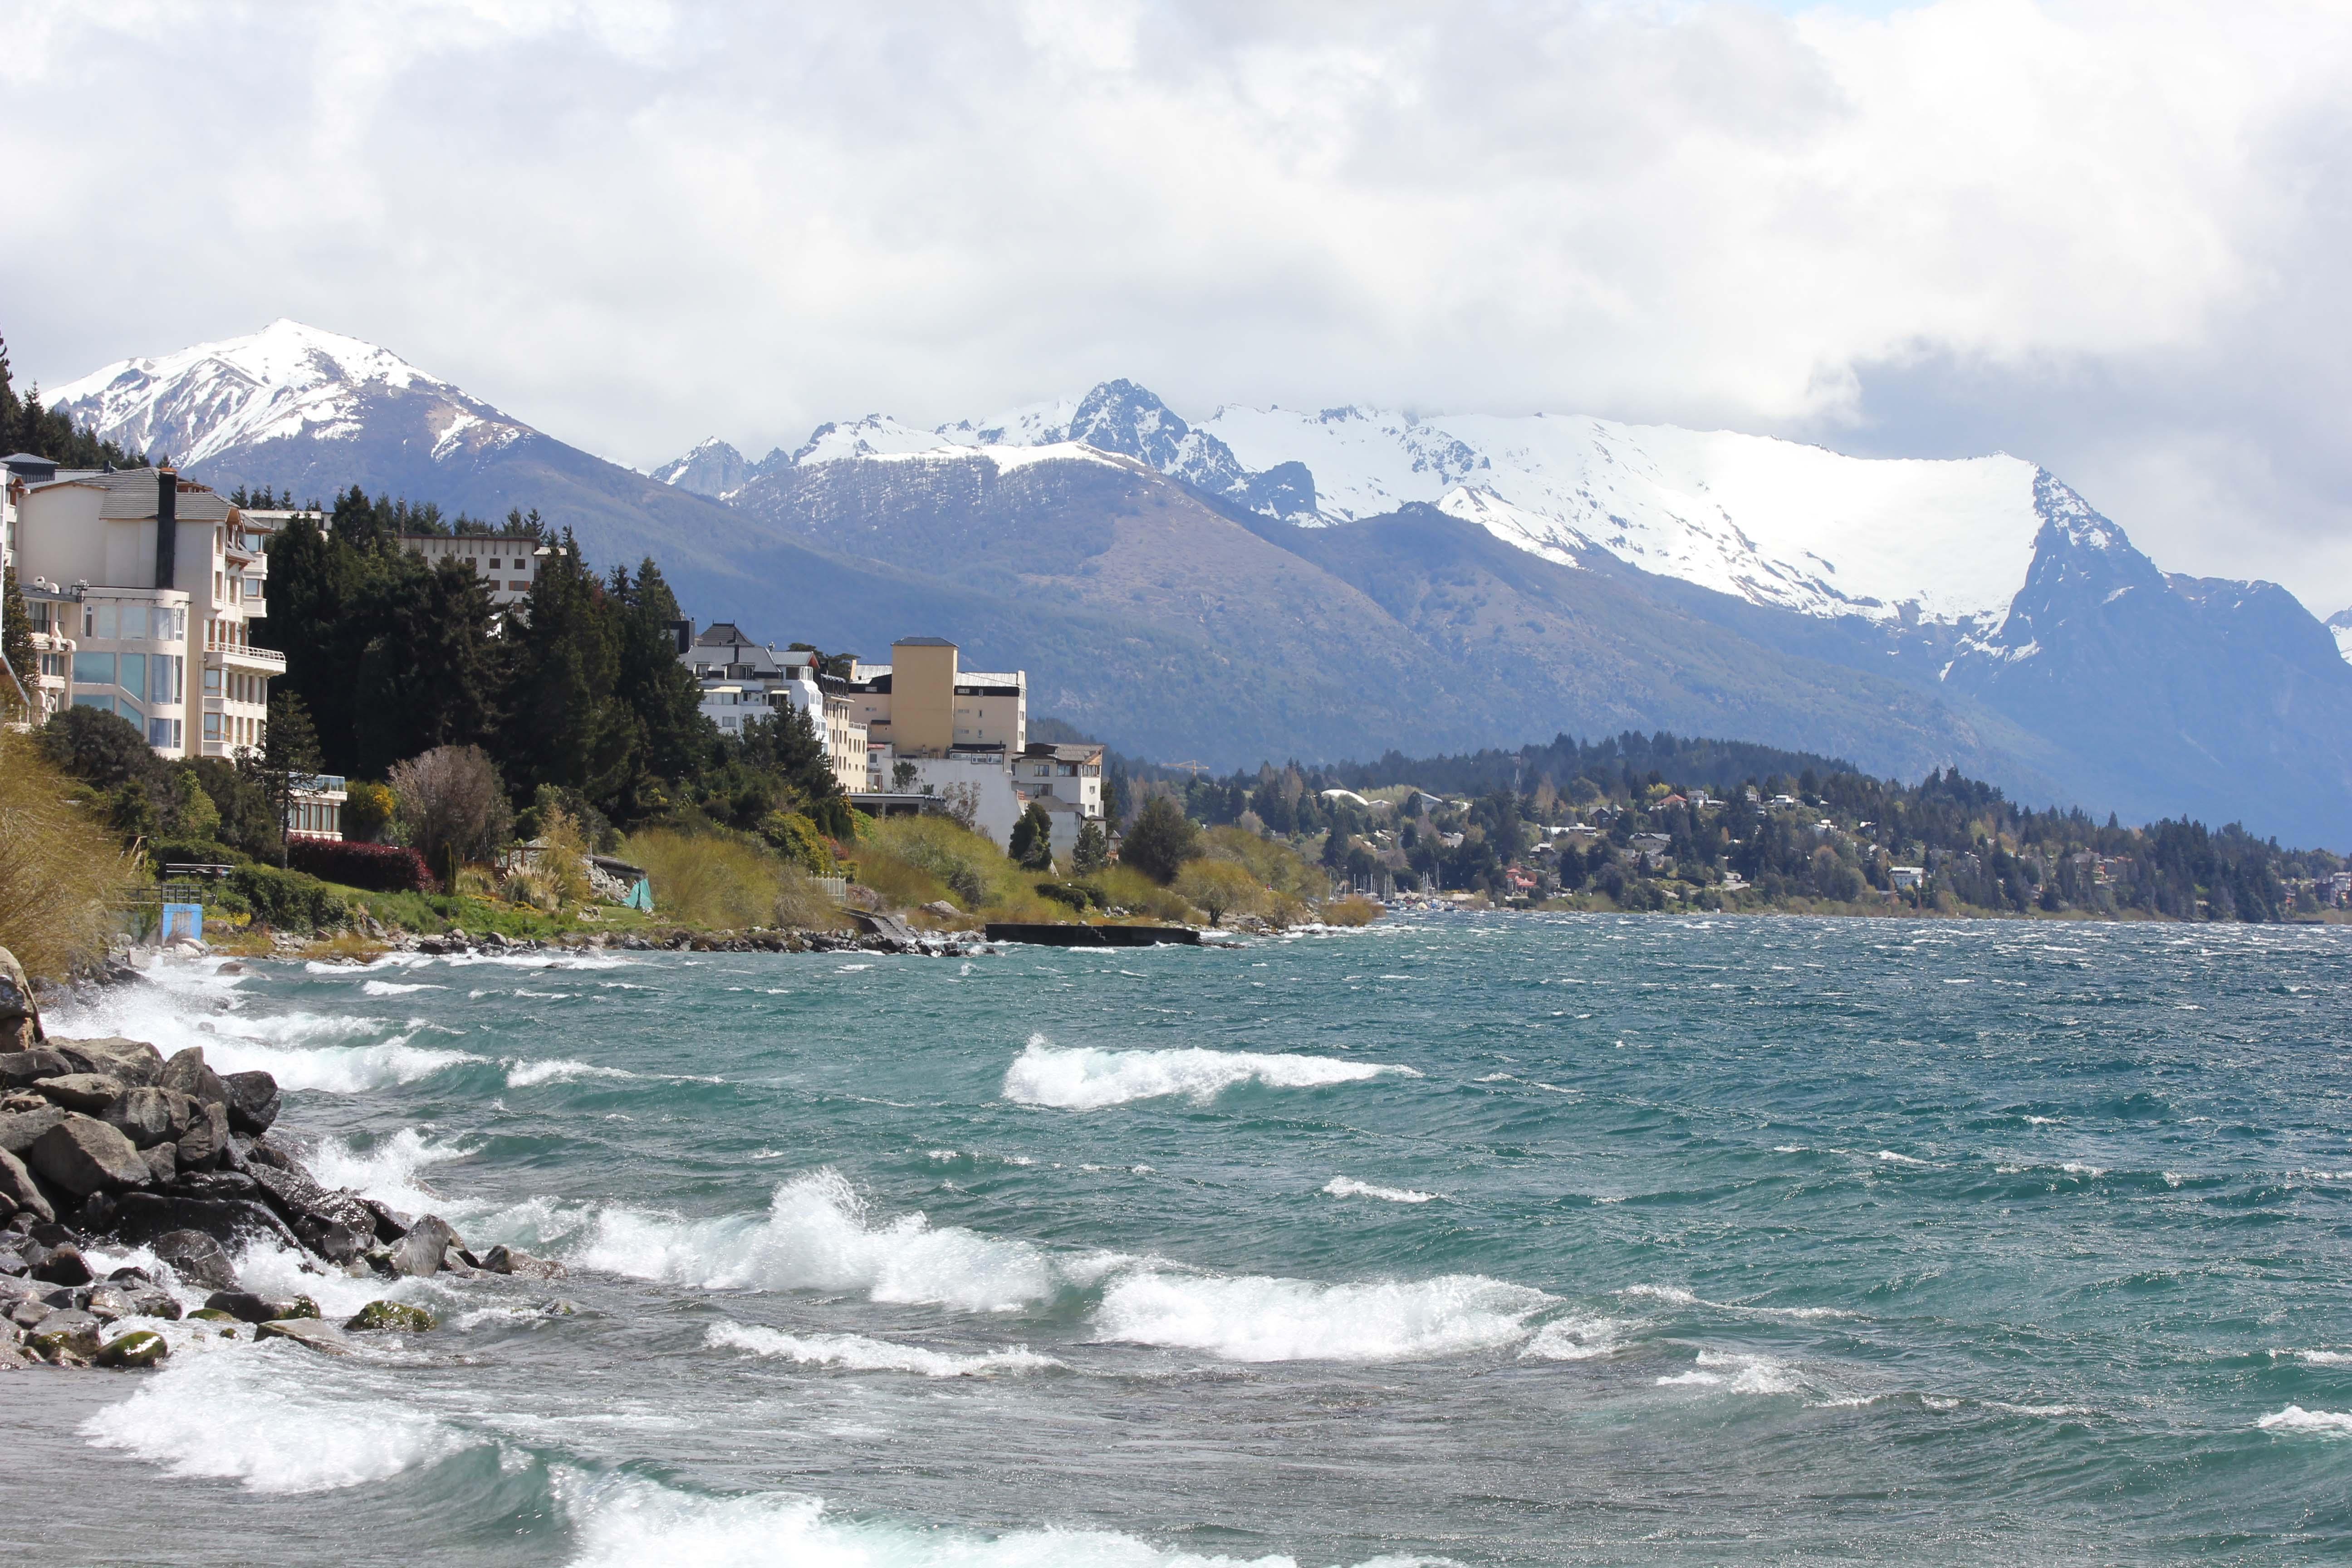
(2295, 1418)
(625, 1521)
(817, 1235)
(254, 1416)
(1348, 1187)
(1085, 1078)
(857, 1352)
(1263, 1319)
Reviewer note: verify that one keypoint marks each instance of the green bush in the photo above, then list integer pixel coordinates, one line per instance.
(163, 852)
(286, 900)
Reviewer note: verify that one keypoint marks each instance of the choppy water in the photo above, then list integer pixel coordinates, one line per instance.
(1511, 1239)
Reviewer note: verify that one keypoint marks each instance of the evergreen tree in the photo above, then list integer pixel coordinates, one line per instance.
(288, 755)
(1161, 840)
(20, 697)
(1092, 851)
(567, 723)
(1033, 839)
(656, 686)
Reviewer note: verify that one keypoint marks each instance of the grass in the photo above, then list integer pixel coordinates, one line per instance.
(63, 877)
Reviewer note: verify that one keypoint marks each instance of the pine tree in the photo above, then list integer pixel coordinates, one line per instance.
(1033, 839)
(288, 756)
(20, 697)
(1092, 851)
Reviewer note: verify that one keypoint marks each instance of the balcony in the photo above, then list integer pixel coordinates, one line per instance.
(245, 656)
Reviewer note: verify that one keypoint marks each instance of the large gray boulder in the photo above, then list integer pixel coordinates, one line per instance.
(133, 1061)
(20, 1016)
(253, 1102)
(421, 1250)
(308, 1332)
(16, 1186)
(82, 1155)
(207, 1139)
(336, 1225)
(22, 1069)
(19, 1130)
(88, 1092)
(231, 1222)
(187, 1073)
(147, 1116)
(199, 1261)
(162, 1163)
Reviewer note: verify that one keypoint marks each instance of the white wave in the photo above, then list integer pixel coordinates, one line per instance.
(856, 1352)
(334, 1069)
(397, 988)
(338, 1053)
(2324, 1357)
(2295, 1418)
(816, 1234)
(1573, 1338)
(1735, 1375)
(621, 1521)
(1348, 1187)
(1257, 1318)
(558, 1070)
(1891, 1158)
(252, 1416)
(386, 1171)
(1085, 1078)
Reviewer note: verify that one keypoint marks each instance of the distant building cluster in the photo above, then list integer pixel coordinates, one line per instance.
(921, 732)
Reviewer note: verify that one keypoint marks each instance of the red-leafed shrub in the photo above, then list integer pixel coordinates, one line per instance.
(379, 867)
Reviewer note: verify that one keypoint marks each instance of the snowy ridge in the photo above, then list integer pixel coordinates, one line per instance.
(283, 381)
(2340, 623)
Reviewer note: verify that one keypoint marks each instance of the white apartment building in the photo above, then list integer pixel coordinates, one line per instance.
(156, 581)
(742, 679)
(508, 562)
(954, 729)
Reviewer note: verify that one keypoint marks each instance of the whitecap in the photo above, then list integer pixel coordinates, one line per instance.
(1891, 1158)
(386, 1171)
(397, 988)
(1348, 1187)
(252, 1416)
(857, 1352)
(2295, 1418)
(1736, 1374)
(557, 1070)
(1573, 1338)
(817, 1235)
(1256, 1318)
(1085, 1078)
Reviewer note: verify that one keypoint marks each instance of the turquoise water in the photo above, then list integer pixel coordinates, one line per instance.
(1502, 1239)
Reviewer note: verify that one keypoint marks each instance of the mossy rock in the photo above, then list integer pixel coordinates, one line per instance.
(212, 1315)
(300, 1307)
(138, 1348)
(395, 1316)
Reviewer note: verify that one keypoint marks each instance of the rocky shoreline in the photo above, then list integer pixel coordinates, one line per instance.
(105, 1144)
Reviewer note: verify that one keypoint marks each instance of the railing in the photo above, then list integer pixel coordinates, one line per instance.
(245, 652)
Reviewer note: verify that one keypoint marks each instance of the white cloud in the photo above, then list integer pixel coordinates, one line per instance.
(2101, 234)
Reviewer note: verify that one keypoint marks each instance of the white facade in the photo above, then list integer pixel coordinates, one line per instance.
(508, 562)
(162, 630)
(742, 679)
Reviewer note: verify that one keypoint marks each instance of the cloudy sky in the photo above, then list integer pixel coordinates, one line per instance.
(2110, 237)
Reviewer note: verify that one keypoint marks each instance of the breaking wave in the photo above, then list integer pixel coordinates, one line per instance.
(857, 1352)
(1263, 1319)
(2295, 1418)
(1085, 1078)
(1348, 1187)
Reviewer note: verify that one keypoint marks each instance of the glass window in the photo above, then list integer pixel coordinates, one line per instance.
(94, 669)
(212, 682)
(134, 673)
(104, 704)
(212, 726)
(163, 733)
(165, 677)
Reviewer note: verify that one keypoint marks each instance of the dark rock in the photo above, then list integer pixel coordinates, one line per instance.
(162, 1163)
(207, 1138)
(63, 1333)
(145, 1115)
(395, 1316)
(64, 1265)
(16, 1186)
(187, 1073)
(420, 1252)
(96, 1215)
(300, 1307)
(26, 1310)
(139, 1348)
(217, 1184)
(107, 1303)
(391, 1225)
(153, 1301)
(324, 1337)
(20, 1130)
(229, 1221)
(245, 1306)
(12, 1262)
(21, 1070)
(83, 1155)
(133, 1061)
(253, 1101)
(334, 1224)
(521, 1265)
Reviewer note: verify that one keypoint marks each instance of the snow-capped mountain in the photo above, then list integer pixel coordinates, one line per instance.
(284, 382)
(1773, 522)
(2340, 623)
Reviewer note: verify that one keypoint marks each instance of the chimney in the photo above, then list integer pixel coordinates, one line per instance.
(167, 527)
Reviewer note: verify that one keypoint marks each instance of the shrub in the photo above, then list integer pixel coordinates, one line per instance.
(61, 873)
(1274, 864)
(798, 839)
(1077, 895)
(378, 867)
(163, 852)
(451, 805)
(1351, 910)
(367, 811)
(288, 900)
(801, 904)
(1161, 840)
(711, 879)
(1219, 887)
(531, 886)
(1033, 839)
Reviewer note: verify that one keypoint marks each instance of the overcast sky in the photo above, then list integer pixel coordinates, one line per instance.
(2112, 237)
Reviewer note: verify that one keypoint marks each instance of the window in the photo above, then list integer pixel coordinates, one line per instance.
(54, 664)
(163, 734)
(103, 704)
(99, 620)
(212, 726)
(93, 669)
(212, 685)
(134, 673)
(165, 678)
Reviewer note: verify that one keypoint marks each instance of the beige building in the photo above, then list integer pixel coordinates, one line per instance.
(157, 581)
(509, 562)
